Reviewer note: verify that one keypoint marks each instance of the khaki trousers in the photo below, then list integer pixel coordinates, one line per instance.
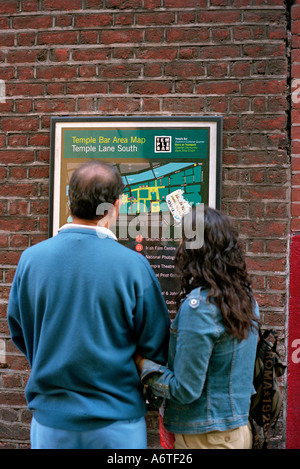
(237, 438)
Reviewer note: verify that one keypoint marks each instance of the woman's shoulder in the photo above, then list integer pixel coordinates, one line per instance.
(199, 293)
(198, 299)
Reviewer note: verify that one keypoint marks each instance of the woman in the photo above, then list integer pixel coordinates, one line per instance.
(213, 339)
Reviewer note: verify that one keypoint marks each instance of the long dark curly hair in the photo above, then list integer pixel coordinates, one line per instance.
(219, 266)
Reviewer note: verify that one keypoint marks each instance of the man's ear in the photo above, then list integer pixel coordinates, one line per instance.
(117, 206)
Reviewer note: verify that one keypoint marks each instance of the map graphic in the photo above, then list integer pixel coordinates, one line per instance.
(148, 184)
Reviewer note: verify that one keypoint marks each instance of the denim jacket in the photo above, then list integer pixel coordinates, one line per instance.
(209, 379)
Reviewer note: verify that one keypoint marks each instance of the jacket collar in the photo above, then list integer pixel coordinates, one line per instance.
(101, 231)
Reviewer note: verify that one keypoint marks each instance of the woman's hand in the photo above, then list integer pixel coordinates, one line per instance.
(139, 360)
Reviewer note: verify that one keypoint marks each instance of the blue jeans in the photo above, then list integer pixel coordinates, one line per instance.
(121, 434)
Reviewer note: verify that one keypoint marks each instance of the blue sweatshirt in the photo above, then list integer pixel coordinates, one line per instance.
(79, 308)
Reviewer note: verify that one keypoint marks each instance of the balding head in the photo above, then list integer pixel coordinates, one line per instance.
(92, 184)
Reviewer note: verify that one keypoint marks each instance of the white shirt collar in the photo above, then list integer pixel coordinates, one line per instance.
(102, 232)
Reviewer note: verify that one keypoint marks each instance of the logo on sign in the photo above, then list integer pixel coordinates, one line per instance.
(163, 144)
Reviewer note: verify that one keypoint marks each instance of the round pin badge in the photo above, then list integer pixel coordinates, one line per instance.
(193, 302)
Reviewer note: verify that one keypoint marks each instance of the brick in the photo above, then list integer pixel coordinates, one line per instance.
(185, 3)
(153, 70)
(7, 39)
(86, 104)
(93, 20)
(18, 224)
(157, 53)
(220, 52)
(57, 37)
(276, 283)
(18, 172)
(190, 35)
(55, 105)
(155, 18)
(60, 55)
(264, 16)
(276, 246)
(55, 88)
(123, 53)
(120, 71)
(263, 123)
(188, 53)
(221, 35)
(20, 207)
(56, 71)
(295, 224)
(87, 71)
(263, 87)
(20, 124)
(217, 70)
(120, 105)
(40, 207)
(151, 4)
(188, 105)
(264, 50)
(23, 56)
(18, 190)
(87, 55)
(25, 73)
(190, 69)
(8, 6)
(266, 264)
(39, 139)
(16, 156)
(264, 228)
(86, 88)
(151, 105)
(58, 5)
(264, 192)
(219, 16)
(24, 89)
(296, 194)
(19, 241)
(155, 87)
(295, 209)
(63, 20)
(9, 257)
(88, 37)
(121, 36)
(26, 38)
(24, 106)
(124, 19)
(219, 87)
(242, 33)
(154, 35)
(32, 22)
(295, 12)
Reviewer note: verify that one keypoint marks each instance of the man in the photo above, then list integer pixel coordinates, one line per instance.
(80, 306)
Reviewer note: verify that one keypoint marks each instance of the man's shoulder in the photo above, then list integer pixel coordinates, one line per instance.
(38, 249)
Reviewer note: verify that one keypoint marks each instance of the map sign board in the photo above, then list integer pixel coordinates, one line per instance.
(168, 164)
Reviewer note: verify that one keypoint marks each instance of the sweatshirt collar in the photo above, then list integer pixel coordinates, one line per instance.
(101, 231)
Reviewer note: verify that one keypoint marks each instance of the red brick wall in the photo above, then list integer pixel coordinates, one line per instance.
(145, 57)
